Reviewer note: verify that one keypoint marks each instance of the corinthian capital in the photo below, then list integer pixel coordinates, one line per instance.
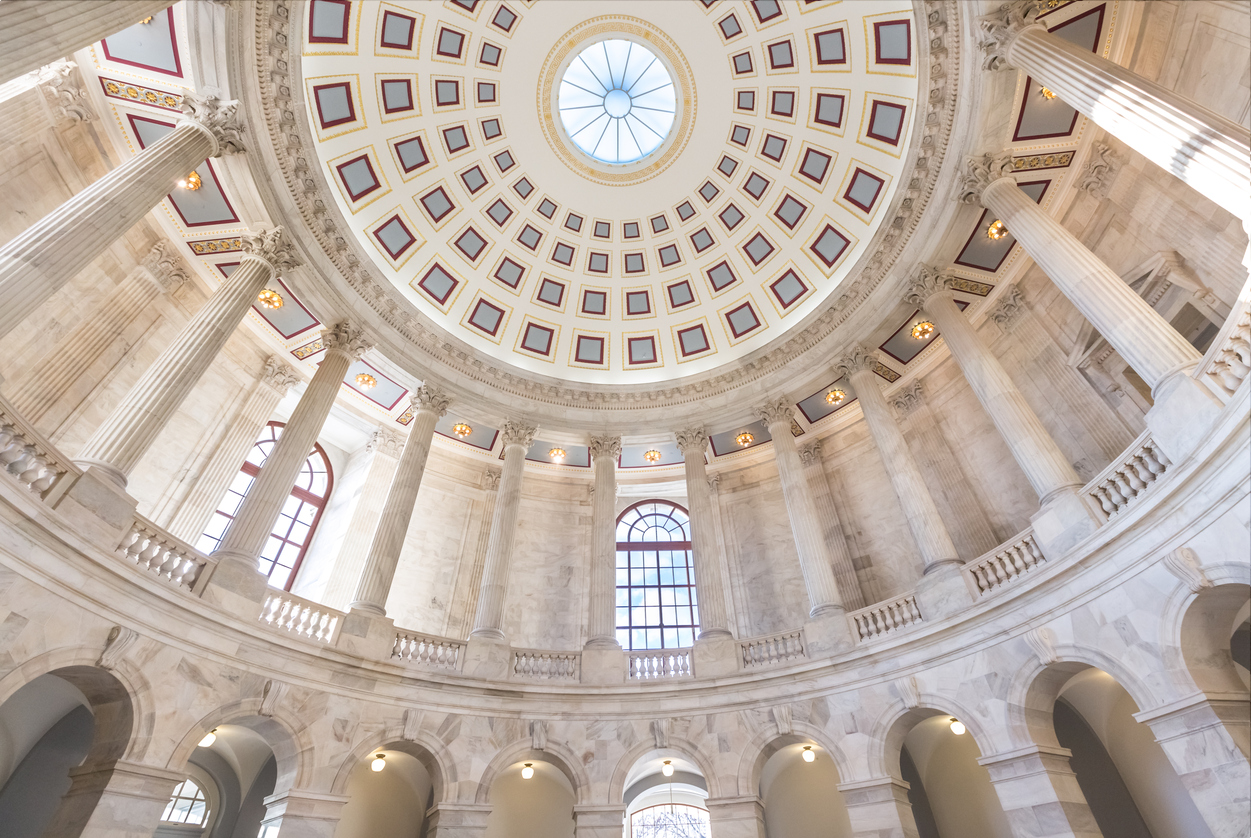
(429, 398)
(780, 411)
(216, 118)
(692, 439)
(1001, 26)
(346, 338)
(810, 453)
(518, 433)
(271, 246)
(981, 172)
(1009, 309)
(927, 282)
(857, 359)
(278, 375)
(385, 441)
(605, 446)
(165, 266)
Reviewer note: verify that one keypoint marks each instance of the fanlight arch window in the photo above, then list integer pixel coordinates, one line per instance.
(293, 531)
(670, 820)
(656, 603)
(187, 805)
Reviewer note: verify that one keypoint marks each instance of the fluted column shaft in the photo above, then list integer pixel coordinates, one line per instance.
(829, 513)
(1204, 149)
(1044, 464)
(603, 623)
(489, 619)
(52, 251)
(255, 519)
(815, 560)
(1147, 342)
(121, 441)
(397, 512)
(927, 527)
(37, 32)
(713, 616)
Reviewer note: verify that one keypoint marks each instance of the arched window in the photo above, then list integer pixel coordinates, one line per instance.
(186, 805)
(293, 531)
(656, 607)
(670, 820)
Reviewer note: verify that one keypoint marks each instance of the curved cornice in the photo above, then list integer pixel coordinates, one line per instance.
(337, 281)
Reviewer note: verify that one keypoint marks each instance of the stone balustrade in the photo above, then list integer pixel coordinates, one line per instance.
(1010, 560)
(540, 665)
(660, 663)
(1129, 477)
(170, 558)
(28, 458)
(302, 617)
(1230, 356)
(428, 650)
(775, 649)
(885, 617)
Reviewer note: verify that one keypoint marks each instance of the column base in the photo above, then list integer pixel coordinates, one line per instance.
(236, 586)
(487, 657)
(715, 656)
(828, 634)
(1064, 519)
(603, 665)
(1183, 415)
(98, 508)
(598, 821)
(942, 591)
(367, 635)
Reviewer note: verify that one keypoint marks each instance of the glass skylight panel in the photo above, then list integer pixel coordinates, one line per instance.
(617, 101)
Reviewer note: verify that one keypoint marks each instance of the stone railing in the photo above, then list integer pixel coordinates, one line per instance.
(28, 458)
(766, 651)
(1229, 359)
(1010, 560)
(155, 550)
(428, 650)
(302, 617)
(1126, 479)
(885, 617)
(660, 663)
(539, 665)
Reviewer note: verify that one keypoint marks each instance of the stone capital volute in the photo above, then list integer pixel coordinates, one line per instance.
(776, 412)
(692, 440)
(1000, 28)
(810, 453)
(605, 446)
(927, 282)
(518, 433)
(430, 399)
(858, 359)
(272, 248)
(980, 172)
(278, 375)
(346, 338)
(216, 118)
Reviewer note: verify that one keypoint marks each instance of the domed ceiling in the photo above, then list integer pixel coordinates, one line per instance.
(612, 193)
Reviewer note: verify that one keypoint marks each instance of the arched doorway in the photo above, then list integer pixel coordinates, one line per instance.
(389, 792)
(532, 796)
(666, 795)
(799, 788)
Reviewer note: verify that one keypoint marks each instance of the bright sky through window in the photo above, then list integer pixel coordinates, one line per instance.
(617, 101)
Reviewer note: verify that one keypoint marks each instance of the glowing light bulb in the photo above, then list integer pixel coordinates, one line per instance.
(209, 739)
(379, 763)
(957, 727)
(667, 768)
(745, 439)
(652, 456)
(835, 396)
(461, 430)
(191, 182)
(808, 754)
(557, 455)
(527, 771)
(996, 230)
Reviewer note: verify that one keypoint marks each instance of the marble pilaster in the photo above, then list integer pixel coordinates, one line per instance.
(879, 808)
(834, 531)
(713, 619)
(1040, 795)
(302, 814)
(739, 817)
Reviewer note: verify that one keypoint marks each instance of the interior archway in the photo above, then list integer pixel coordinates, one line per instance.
(531, 797)
(801, 797)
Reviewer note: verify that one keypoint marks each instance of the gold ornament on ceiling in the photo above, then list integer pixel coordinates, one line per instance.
(191, 182)
(461, 430)
(365, 381)
(996, 231)
(835, 396)
(652, 456)
(923, 330)
(269, 299)
(1046, 93)
(745, 439)
(557, 455)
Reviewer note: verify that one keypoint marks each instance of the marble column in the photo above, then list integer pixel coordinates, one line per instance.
(879, 808)
(429, 404)
(815, 560)
(1204, 149)
(713, 619)
(828, 512)
(210, 485)
(302, 814)
(739, 817)
(241, 546)
(42, 385)
(602, 624)
(121, 441)
(36, 32)
(35, 264)
(469, 573)
(489, 621)
(1064, 518)
(1039, 793)
(113, 800)
(1148, 343)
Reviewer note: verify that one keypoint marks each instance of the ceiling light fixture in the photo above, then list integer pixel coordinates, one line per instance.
(835, 396)
(379, 763)
(745, 439)
(923, 330)
(461, 430)
(191, 182)
(667, 768)
(527, 771)
(808, 754)
(147, 19)
(557, 455)
(365, 381)
(1046, 94)
(957, 727)
(652, 456)
(269, 299)
(209, 739)
(996, 231)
